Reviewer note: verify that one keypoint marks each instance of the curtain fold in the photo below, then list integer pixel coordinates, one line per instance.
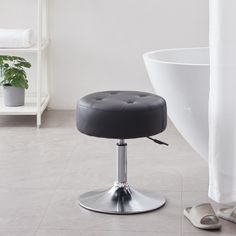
(222, 101)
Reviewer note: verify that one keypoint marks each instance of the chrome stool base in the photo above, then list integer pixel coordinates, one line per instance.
(121, 200)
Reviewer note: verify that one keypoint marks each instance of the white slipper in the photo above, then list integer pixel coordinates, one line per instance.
(228, 214)
(202, 216)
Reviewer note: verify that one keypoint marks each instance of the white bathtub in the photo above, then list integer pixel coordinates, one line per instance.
(181, 76)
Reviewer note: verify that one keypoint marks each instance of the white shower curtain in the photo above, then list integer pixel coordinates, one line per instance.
(222, 101)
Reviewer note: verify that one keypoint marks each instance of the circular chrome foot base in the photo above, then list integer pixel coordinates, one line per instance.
(121, 199)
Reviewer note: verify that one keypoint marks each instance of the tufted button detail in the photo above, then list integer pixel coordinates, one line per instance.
(130, 102)
(143, 95)
(98, 99)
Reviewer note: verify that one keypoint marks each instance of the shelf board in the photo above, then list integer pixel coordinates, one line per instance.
(31, 49)
(30, 107)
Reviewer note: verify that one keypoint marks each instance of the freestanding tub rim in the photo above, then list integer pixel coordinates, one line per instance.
(147, 56)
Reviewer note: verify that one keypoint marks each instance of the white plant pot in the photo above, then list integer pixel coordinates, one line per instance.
(13, 96)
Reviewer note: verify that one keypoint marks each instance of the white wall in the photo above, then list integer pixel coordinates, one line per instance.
(98, 44)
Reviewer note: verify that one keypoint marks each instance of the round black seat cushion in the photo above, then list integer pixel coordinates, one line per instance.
(121, 114)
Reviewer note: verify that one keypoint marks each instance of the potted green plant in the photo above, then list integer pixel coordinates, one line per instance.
(13, 79)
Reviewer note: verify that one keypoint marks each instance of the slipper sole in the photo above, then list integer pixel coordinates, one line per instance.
(200, 226)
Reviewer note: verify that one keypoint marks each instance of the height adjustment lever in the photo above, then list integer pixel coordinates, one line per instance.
(158, 141)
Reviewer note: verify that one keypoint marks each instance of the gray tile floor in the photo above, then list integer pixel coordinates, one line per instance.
(42, 172)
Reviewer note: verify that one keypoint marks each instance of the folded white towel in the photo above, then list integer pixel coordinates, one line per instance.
(16, 38)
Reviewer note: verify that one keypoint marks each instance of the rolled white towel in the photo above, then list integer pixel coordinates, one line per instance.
(16, 38)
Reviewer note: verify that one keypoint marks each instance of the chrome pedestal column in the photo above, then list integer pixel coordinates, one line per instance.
(121, 198)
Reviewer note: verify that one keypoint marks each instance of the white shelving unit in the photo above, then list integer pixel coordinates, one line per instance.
(35, 104)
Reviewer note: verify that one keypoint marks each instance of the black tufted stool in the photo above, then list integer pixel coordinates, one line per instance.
(121, 115)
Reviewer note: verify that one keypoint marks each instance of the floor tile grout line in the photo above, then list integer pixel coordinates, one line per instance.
(105, 230)
(146, 233)
(54, 191)
(45, 211)
(181, 205)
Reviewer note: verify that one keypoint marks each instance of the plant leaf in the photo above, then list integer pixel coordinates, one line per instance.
(12, 69)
